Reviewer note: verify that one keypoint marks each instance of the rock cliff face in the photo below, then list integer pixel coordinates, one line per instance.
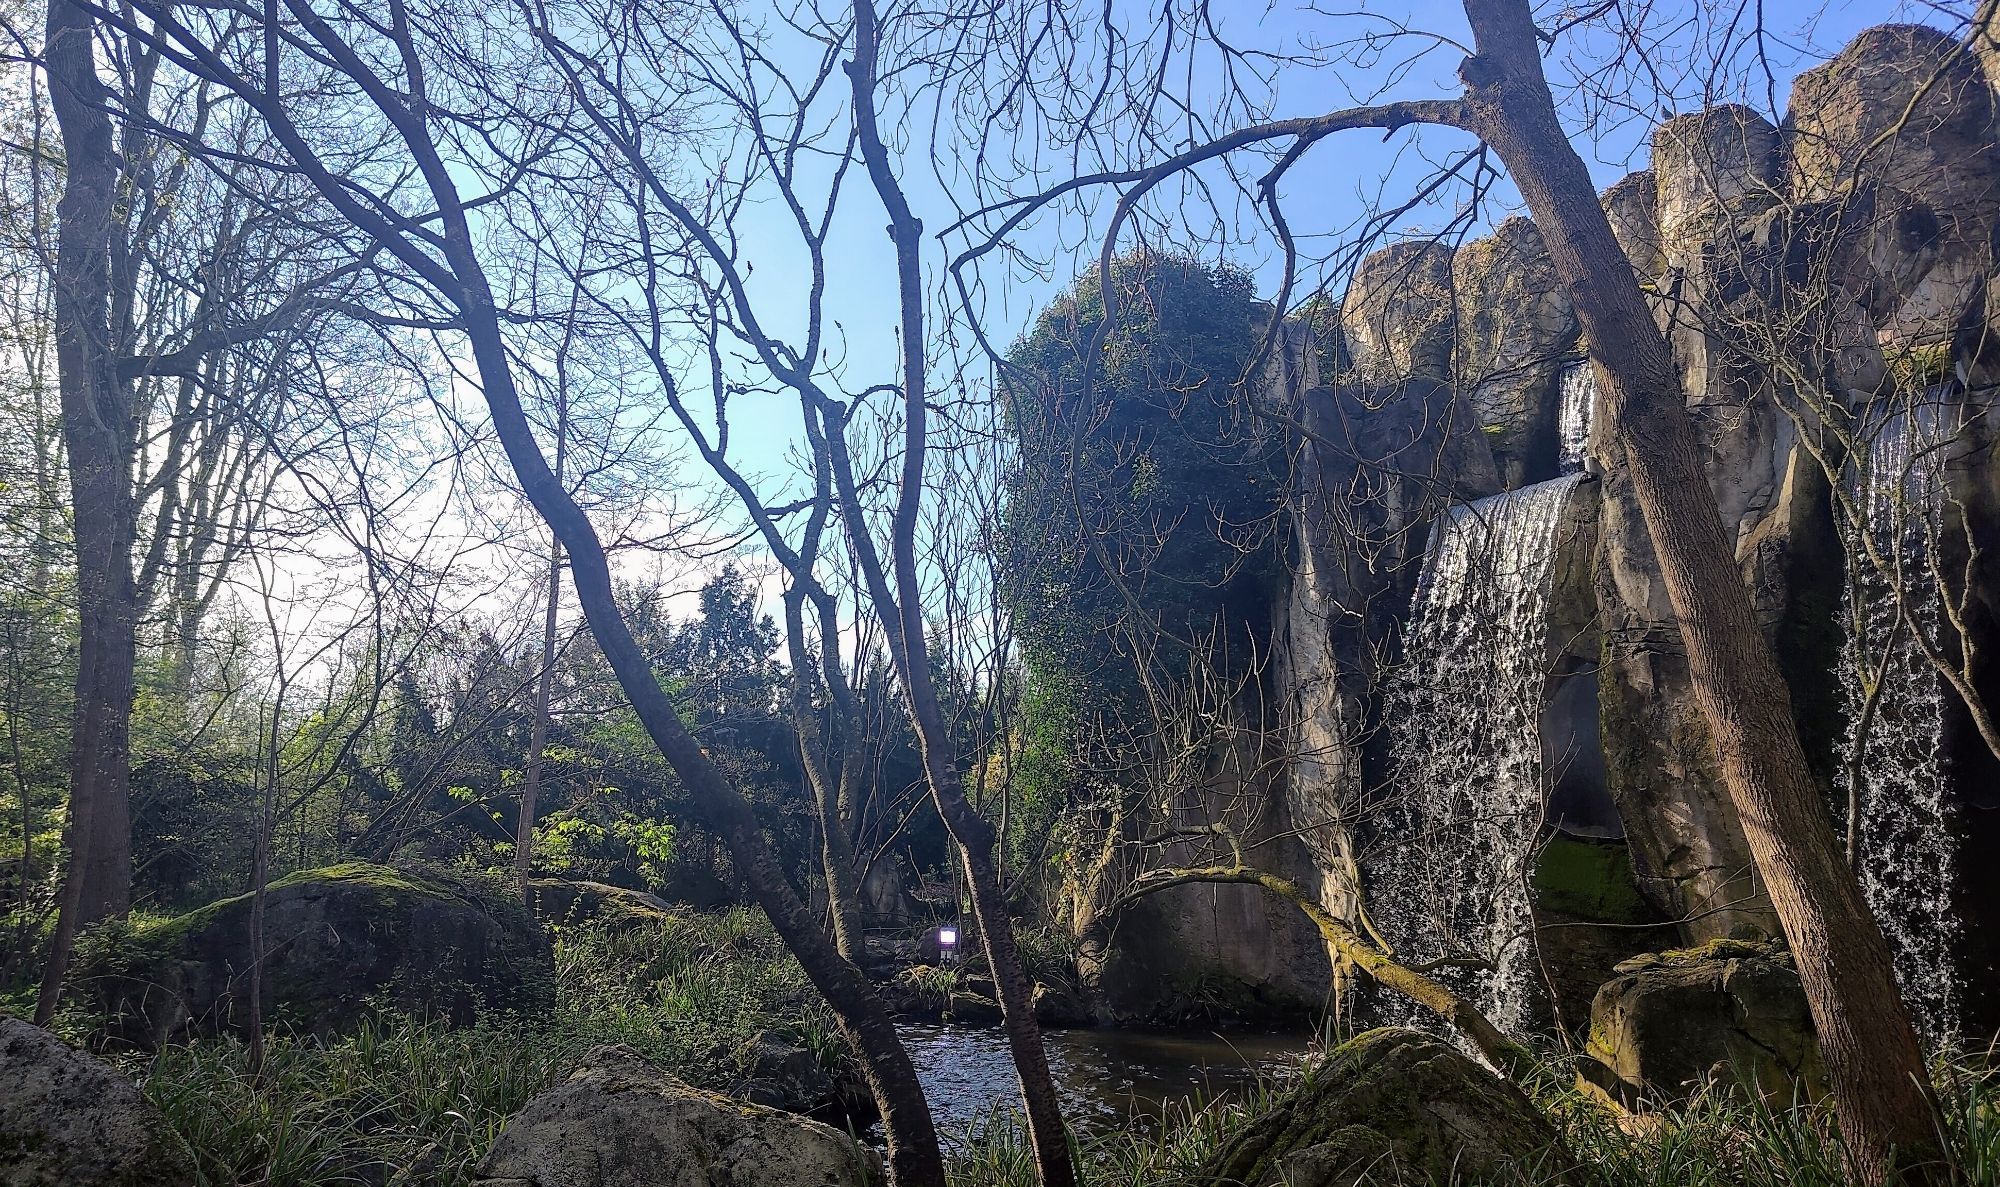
(1816, 280)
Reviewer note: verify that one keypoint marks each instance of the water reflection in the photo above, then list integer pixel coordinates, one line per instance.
(1105, 1077)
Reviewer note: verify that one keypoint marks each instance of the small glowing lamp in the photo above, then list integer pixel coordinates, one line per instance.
(947, 940)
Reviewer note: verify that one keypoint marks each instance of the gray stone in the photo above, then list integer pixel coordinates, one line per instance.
(1515, 331)
(1727, 1012)
(1393, 1106)
(70, 1120)
(973, 1009)
(1632, 206)
(1059, 1007)
(1712, 170)
(779, 1074)
(1899, 128)
(618, 1121)
(1397, 316)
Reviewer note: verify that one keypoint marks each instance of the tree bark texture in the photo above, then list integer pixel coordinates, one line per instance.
(1873, 1057)
(97, 434)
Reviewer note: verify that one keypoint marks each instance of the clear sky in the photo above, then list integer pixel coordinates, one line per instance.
(1337, 181)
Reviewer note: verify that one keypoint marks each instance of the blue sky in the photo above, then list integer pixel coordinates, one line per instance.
(1326, 192)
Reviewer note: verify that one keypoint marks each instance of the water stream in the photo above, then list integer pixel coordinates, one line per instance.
(1579, 404)
(1458, 830)
(1894, 700)
(1106, 1078)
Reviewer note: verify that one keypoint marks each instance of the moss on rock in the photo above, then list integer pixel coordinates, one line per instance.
(1398, 1106)
(341, 942)
(1590, 880)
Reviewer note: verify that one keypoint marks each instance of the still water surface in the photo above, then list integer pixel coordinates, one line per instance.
(1106, 1078)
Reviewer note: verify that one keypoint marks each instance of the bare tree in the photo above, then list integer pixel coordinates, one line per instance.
(441, 254)
(1876, 1065)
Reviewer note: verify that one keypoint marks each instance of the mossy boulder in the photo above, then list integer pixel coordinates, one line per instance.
(70, 1120)
(1394, 1106)
(341, 943)
(1730, 1012)
(560, 900)
(618, 1121)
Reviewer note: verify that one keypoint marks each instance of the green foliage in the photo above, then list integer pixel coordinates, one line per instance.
(401, 1096)
(1144, 497)
(1139, 535)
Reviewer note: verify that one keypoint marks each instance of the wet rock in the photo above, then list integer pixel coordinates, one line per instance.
(1393, 1106)
(1515, 331)
(1727, 1012)
(340, 941)
(618, 1121)
(1060, 1007)
(973, 1009)
(1589, 918)
(70, 1120)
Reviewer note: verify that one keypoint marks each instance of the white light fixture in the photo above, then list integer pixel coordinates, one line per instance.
(947, 937)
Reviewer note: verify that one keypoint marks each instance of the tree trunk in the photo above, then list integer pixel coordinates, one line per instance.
(1873, 1058)
(538, 736)
(914, 1156)
(901, 613)
(843, 893)
(97, 431)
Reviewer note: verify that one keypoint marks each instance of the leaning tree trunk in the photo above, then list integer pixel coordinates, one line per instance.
(900, 610)
(1873, 1058)
(97, 432)
(914, 1155)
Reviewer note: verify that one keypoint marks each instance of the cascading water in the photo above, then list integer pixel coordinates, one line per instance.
(1579, 398)
(1449, 875)
(1894, 700)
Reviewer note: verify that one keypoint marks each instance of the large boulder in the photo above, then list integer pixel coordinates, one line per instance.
(1393, 1106)
(619, 908)
(69, 1120)
(339, 942)
(1727, 1012)
(1397, 314)
(618, 1121)
(1516, 330)
(1899, 129)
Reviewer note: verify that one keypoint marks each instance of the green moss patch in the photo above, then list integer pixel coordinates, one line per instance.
(1591, 880)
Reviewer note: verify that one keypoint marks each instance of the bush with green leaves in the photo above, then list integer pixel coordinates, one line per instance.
(1140, 538)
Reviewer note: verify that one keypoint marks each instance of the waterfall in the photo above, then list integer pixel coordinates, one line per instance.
(1579, 399)
(1458, 829)
(1892, 765)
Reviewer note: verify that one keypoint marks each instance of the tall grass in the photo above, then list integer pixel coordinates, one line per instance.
(405, 1103)
(413, 1103)
(1717, 1139)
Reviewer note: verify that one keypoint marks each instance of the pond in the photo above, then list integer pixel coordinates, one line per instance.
(1106, 1078)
